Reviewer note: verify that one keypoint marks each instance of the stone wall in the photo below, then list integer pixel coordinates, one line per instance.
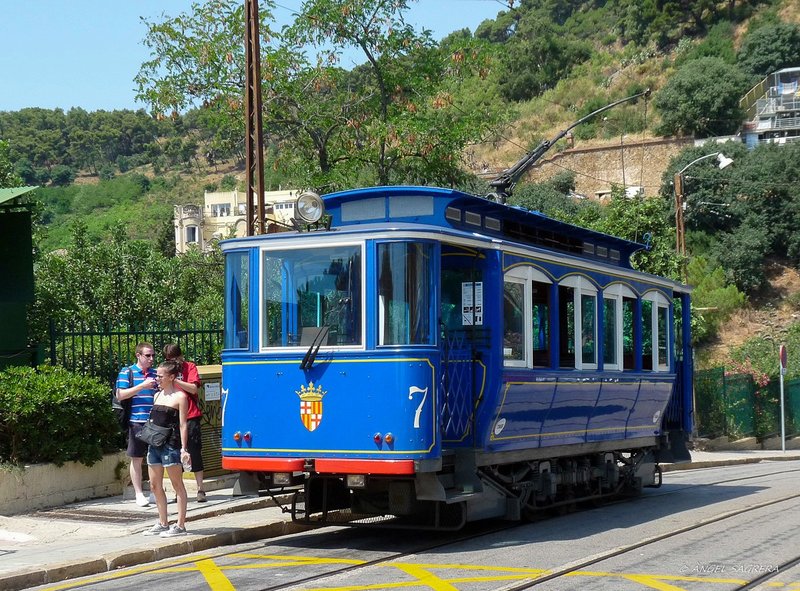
(46, 485)
(641, 162)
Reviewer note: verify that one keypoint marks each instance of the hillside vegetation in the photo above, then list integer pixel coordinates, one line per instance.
(418, 111)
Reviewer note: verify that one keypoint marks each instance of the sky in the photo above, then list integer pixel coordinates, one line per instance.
(85, 53)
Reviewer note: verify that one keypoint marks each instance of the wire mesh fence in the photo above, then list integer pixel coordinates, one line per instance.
(735, 406)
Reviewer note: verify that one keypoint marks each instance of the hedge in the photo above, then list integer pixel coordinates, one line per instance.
(50, 415)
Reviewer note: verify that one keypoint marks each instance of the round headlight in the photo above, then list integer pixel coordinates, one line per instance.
(309, 207)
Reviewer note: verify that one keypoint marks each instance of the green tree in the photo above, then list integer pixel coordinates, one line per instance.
(714, 298)
(702, 98)
(395, 118)
(8, 176)
(770, 48)
(131, 282)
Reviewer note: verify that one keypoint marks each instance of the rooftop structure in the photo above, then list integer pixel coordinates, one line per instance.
(775, 116)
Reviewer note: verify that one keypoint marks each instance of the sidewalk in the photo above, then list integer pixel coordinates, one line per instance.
(106, 534)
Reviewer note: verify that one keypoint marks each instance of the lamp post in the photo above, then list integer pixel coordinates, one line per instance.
(680, 204)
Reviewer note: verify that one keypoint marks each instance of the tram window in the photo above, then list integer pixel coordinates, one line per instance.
(588, 329)
(577, 313)
(655, 332)
(566, 325)
(677, 324)
(513, 321)
(662, 323)
(308, 289)
(404, 294)
(647, 334)
(541, 323)
(628, 333)
(237, 292)
(610, 333)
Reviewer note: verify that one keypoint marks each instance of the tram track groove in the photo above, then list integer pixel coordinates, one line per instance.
(582, 565)
(564, 571)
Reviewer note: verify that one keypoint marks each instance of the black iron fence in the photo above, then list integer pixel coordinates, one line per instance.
(735, 406)
(101, 351)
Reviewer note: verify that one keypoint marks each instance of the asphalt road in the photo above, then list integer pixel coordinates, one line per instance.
(717, 528)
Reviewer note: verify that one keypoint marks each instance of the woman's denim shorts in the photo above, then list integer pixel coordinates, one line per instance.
(164, 455)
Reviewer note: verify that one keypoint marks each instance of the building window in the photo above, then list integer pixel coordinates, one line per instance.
(219, 210)
(191, 235)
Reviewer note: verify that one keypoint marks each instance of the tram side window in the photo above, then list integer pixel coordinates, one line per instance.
(628, 333)
(237, 293)
(647, 335)
(610, 334)
(662, 323)
(541, 323)
(588, 329)
(513, 321)
(566, 326)
(655, 332)
(405, 294)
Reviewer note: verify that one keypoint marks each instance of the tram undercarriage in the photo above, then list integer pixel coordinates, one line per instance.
(447, 501)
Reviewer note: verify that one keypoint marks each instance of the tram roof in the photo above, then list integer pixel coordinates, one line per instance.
(463, 211)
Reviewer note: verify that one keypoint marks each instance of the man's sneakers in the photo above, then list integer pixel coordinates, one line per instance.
(201, 496)
(173, 532)
(141, 500)
(156, 530)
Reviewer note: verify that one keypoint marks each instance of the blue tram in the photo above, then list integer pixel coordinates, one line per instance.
(433, 356)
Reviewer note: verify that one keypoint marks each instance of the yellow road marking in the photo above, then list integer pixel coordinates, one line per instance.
(213, 576)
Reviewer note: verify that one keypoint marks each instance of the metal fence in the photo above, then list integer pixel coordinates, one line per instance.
(100, 351)
(735, 406)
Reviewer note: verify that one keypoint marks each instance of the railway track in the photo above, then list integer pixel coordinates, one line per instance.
(484, 529)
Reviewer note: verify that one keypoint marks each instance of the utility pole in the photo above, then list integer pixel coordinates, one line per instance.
(254, 139)
(680, 241)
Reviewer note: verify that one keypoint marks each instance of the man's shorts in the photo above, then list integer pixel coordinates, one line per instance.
(136, 448)
(195, 446)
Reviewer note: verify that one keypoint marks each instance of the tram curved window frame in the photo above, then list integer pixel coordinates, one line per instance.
(581, 319)
(616, 334)
(404, 276)
(657, 327)
(523, 330)
(285, 323)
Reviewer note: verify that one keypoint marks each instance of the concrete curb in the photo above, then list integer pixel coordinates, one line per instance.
(134, 557)
(728, 462)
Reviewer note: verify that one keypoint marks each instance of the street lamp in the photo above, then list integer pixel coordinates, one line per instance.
(680, 204)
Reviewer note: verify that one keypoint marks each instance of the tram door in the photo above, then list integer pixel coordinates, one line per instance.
(463, 339)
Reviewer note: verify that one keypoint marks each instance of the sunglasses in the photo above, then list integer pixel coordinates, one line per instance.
(148, 354)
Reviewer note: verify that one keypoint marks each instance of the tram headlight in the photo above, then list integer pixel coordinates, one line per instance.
(309, 207)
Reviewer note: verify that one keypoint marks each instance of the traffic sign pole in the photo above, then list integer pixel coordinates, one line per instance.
(783, 359)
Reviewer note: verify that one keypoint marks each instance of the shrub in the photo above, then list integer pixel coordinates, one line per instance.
(52, 415)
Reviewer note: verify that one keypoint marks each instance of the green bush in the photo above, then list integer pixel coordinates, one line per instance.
(52, 415)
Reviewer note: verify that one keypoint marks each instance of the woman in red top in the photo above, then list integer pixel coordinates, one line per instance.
(189, 381)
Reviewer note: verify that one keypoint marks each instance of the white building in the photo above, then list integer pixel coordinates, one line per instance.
(224, 215)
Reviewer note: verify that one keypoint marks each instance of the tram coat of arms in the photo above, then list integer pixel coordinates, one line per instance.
(311, 405)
